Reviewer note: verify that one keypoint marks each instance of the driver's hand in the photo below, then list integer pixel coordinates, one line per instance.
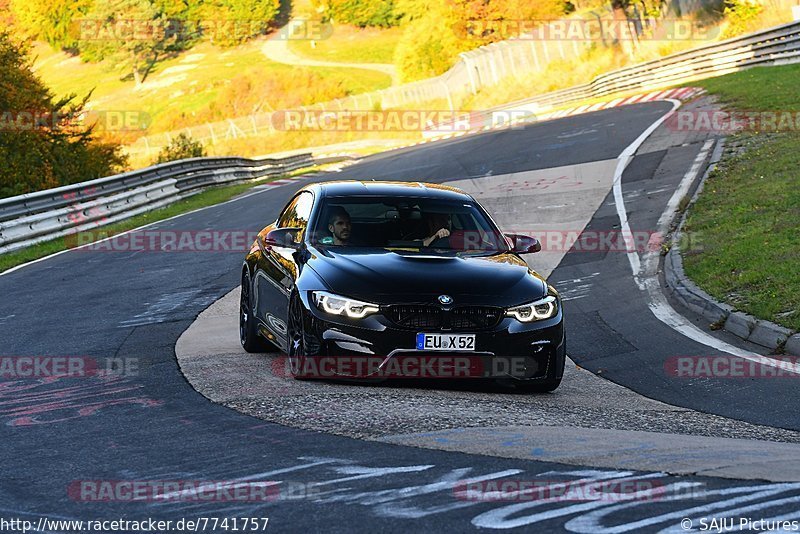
(442, 232)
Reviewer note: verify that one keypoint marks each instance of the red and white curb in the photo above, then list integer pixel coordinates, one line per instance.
(682, 93)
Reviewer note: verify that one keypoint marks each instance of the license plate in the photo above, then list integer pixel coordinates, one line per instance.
(446, 342)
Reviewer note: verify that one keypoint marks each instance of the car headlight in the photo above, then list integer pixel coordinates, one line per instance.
(535, 311)
(338, 305)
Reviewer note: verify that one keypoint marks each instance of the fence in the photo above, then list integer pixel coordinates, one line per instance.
(487, 66)
(45, 215)
(475, 70)
(774, 46)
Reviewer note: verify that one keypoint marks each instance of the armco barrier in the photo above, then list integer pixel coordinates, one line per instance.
(44, 215)
(775, 46)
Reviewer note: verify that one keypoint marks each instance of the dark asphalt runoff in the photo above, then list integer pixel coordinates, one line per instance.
(63, 436)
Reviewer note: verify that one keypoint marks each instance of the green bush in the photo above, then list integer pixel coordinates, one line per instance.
(181, 147)
(411, 10)
(232, 22)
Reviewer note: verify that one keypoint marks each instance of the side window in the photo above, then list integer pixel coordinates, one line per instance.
(296, 213)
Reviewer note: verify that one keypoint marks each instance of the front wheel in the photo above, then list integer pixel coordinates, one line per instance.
(248, 326)
(297, 339)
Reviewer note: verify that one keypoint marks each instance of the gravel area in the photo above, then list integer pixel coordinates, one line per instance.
(256, 384)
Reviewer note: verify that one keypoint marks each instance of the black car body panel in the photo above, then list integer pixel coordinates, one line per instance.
(364, 274)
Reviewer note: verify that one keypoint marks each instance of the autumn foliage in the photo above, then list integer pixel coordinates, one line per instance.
(436, 32)
(42, 144)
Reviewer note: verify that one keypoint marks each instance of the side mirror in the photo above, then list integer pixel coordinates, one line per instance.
(524, 244)
(284, 237)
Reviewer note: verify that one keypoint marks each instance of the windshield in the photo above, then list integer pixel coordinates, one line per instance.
(409, 223)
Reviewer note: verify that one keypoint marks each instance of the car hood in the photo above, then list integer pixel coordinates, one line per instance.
(394, 276)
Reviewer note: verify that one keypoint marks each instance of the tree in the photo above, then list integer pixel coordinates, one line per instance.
(42, 145)
(362, 13)
(134, 33)
(53, 21)
(6, 15)
(436, 32)
(431, 44)
(232, 22)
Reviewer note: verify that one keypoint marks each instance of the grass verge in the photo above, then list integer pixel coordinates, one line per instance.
(203, 85)
(348, 44)
(747, 216)
(203, 199)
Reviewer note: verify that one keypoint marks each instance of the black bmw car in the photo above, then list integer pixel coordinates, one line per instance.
(389, 279)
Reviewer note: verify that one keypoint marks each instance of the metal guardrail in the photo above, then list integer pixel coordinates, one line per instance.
(44, 215)
(774, 46)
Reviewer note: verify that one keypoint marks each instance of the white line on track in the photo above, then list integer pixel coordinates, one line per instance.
(646, 276)
(683, 188)
(259, 477)
(622, 162)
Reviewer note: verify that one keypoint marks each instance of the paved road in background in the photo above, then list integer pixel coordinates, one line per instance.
(151, 425)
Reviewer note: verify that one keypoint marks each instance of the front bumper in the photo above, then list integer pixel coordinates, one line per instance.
(374, 347)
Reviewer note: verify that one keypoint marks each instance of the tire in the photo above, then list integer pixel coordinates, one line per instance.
(298, 340)
(248, 324)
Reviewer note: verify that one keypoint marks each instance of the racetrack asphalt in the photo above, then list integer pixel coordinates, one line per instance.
(150, 424)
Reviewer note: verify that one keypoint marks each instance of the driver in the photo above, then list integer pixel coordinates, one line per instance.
(439, 225)
(339, 225)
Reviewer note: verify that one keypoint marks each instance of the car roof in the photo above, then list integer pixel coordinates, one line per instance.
(344, 188)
